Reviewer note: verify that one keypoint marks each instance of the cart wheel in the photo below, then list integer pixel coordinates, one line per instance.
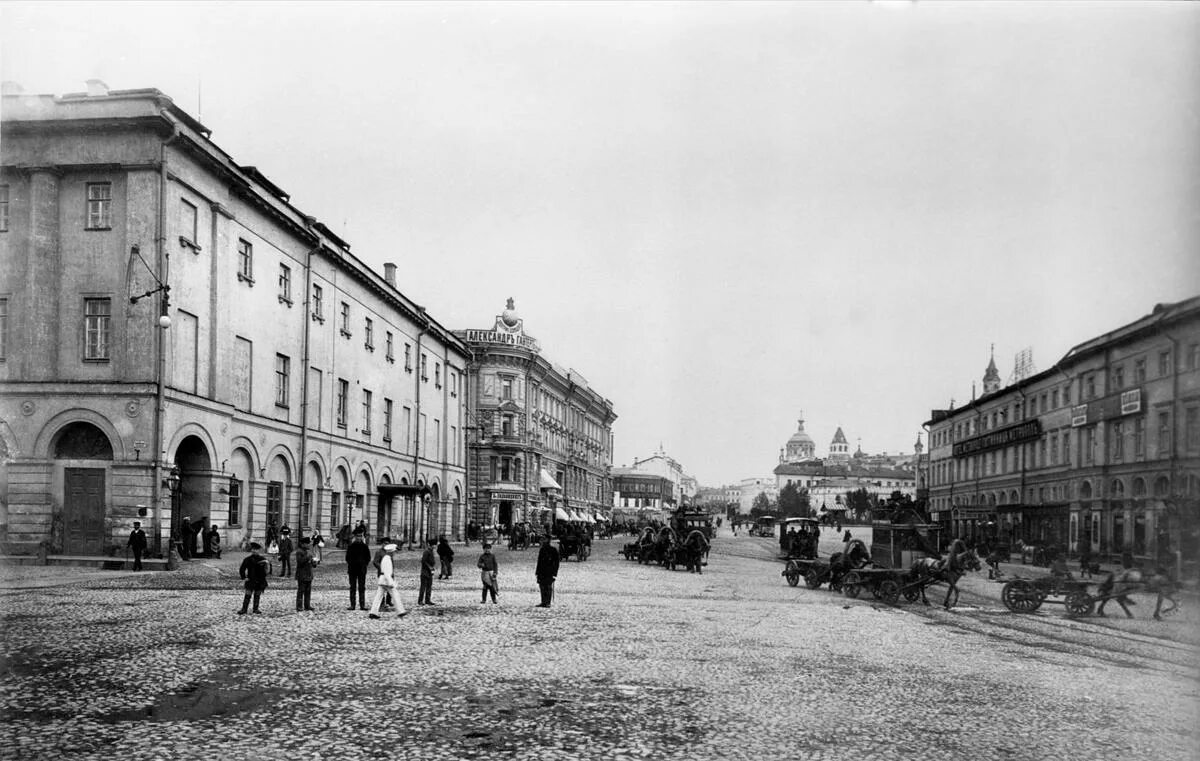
(852, 584)
(812, 579)
(1079, 604)
(911, 592)
(889, 591)
(792, 576)
(1021, 596)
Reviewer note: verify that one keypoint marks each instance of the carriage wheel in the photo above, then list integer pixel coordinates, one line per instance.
(852, 584)
(1021, 596)
(889, 591)
(1079, 604)
(812, 579)
(911, 592)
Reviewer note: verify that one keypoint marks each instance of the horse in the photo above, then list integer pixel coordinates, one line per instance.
(1117, 586)
(695, 550)
(854, 555)
(929, 571)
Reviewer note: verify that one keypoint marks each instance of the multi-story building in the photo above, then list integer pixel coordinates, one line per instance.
(540, 438)
(749, 490)
(1102, 450)
(179, 340)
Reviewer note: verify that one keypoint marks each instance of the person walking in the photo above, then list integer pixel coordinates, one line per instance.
(358, 558)
(186, 535)
(285, 552)
(254, 569)
(547, 570)
(428, 563)
(137, 544)
(305, 562)
(214, 542)
(386, 583)
(488, 572)
(446, 554)
(376, 561)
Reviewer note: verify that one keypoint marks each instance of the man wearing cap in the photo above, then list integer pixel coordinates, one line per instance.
(547, 570)
(358, 557)
(487, 573)
(386, 583)
(285, 551)
(304, 575)
(428, 562)
(137, 544)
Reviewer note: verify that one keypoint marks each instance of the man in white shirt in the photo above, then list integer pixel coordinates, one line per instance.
(386, 583)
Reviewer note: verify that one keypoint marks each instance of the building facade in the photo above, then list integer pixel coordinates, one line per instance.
(1101, 451)
(179, 340)
(540, 438)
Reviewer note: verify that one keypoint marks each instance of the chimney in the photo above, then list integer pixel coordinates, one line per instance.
(96, 87)
(9, 87)
(389, 273)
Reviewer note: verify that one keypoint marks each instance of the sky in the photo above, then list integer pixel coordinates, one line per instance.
(722, 215)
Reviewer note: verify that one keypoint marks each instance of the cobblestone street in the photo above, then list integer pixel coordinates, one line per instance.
(632, 661)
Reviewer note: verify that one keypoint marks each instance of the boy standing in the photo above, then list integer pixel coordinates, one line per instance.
(254, 569)
(487, 573)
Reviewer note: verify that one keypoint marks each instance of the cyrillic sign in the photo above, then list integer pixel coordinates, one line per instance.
(1014, 434)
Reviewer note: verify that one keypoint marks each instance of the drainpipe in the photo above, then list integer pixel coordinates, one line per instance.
(308, 222)
(420, 374)
(160, 239)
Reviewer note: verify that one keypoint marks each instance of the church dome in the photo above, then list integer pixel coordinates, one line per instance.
(800, 446)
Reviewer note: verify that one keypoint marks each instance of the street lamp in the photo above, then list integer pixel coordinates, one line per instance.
(164, 322)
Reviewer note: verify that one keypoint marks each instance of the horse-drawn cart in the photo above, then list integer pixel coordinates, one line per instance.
(574, 545)
(1022, 595)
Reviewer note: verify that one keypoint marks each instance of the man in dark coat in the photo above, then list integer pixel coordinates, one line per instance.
(187, 537)
(547, 570)
(358, 558)
(285, 551)
(254, 569)
(304, 575)
(137, 544)
(446, 554)
(428, 563)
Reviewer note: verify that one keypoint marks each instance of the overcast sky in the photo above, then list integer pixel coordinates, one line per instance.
(719, 214)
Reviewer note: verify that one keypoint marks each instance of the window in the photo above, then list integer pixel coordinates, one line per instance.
(335, 505)
(245, 261)
(1139, 371)
(391, 357)
(506, 426)
(1164, 363)
(366, 411)
(1089, 386)
(345, 319)
(285, 284)
(189, 220)
(306, 508)
(424, 367)
(235, 502)
(1139, 437)
(1118, 440)
(1054, 399)
(282, 375)
(99, 206)
(318, 303)
(369, 331)
(387, 419)
(3, 329)
(1089, 445)
(342, 393)
(1067, 394)
(1191, 429)
(453, 383)
(407, 358)
(1066, 445)
(274, 502)
(437, 374)
(1164, 434)
(97, 322)
(3, 208)
(1193, 356)
(1118, 377)
(506, 388)
(1053, 450)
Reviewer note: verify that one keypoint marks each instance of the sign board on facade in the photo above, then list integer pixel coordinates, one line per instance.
(500, 337)
(1131, 401)
(1079, 415)
(1014, 434)
(1127, 402)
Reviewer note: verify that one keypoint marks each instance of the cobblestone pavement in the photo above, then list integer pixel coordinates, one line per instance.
(633, 661)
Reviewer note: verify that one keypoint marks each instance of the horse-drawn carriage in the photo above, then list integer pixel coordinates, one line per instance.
(663, 546)
(576, 545)
(1025, 595)
(816, 571)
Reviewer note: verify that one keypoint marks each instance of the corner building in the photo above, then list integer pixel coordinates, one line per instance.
(293, 386)
(1102, 450)
(540, 439)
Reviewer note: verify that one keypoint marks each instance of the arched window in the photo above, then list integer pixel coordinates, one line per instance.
(1085, 490)
(82, 441)
(1162, 486)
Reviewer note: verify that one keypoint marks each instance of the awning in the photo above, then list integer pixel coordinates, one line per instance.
(545, 481)
(561, 514)
(600, 517)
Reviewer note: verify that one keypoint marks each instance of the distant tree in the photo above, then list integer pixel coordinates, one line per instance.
(794, 502)
(859, 504)
(761, 505)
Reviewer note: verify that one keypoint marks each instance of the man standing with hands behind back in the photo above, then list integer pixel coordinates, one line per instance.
(547, 570)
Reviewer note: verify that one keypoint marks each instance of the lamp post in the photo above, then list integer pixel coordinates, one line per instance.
(172, 483)
(164, 322)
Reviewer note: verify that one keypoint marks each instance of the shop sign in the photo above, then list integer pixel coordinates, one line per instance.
(1079, 415)
(1014, 434)
(1125, 403)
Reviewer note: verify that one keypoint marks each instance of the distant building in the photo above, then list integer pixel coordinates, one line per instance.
(657, 482)
(1102, 450)
(749, 490)
(540, 438)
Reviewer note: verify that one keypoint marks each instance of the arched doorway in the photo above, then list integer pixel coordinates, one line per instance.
(84, 488)
(191, 501)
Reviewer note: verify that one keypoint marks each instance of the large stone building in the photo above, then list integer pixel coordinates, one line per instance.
(177, 339)
(829, 480)
(1102, 450)
(540, 438)
(655, 484)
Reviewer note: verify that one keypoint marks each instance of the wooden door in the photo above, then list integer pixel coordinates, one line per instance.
(83, 511)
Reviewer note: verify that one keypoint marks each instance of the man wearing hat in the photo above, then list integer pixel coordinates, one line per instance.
(137, 543)
(387, 583)
(358, 557)
(487, 573)
(254, 569)
(285, 551)
(547, 570)
(428, 563)
(304, 575)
